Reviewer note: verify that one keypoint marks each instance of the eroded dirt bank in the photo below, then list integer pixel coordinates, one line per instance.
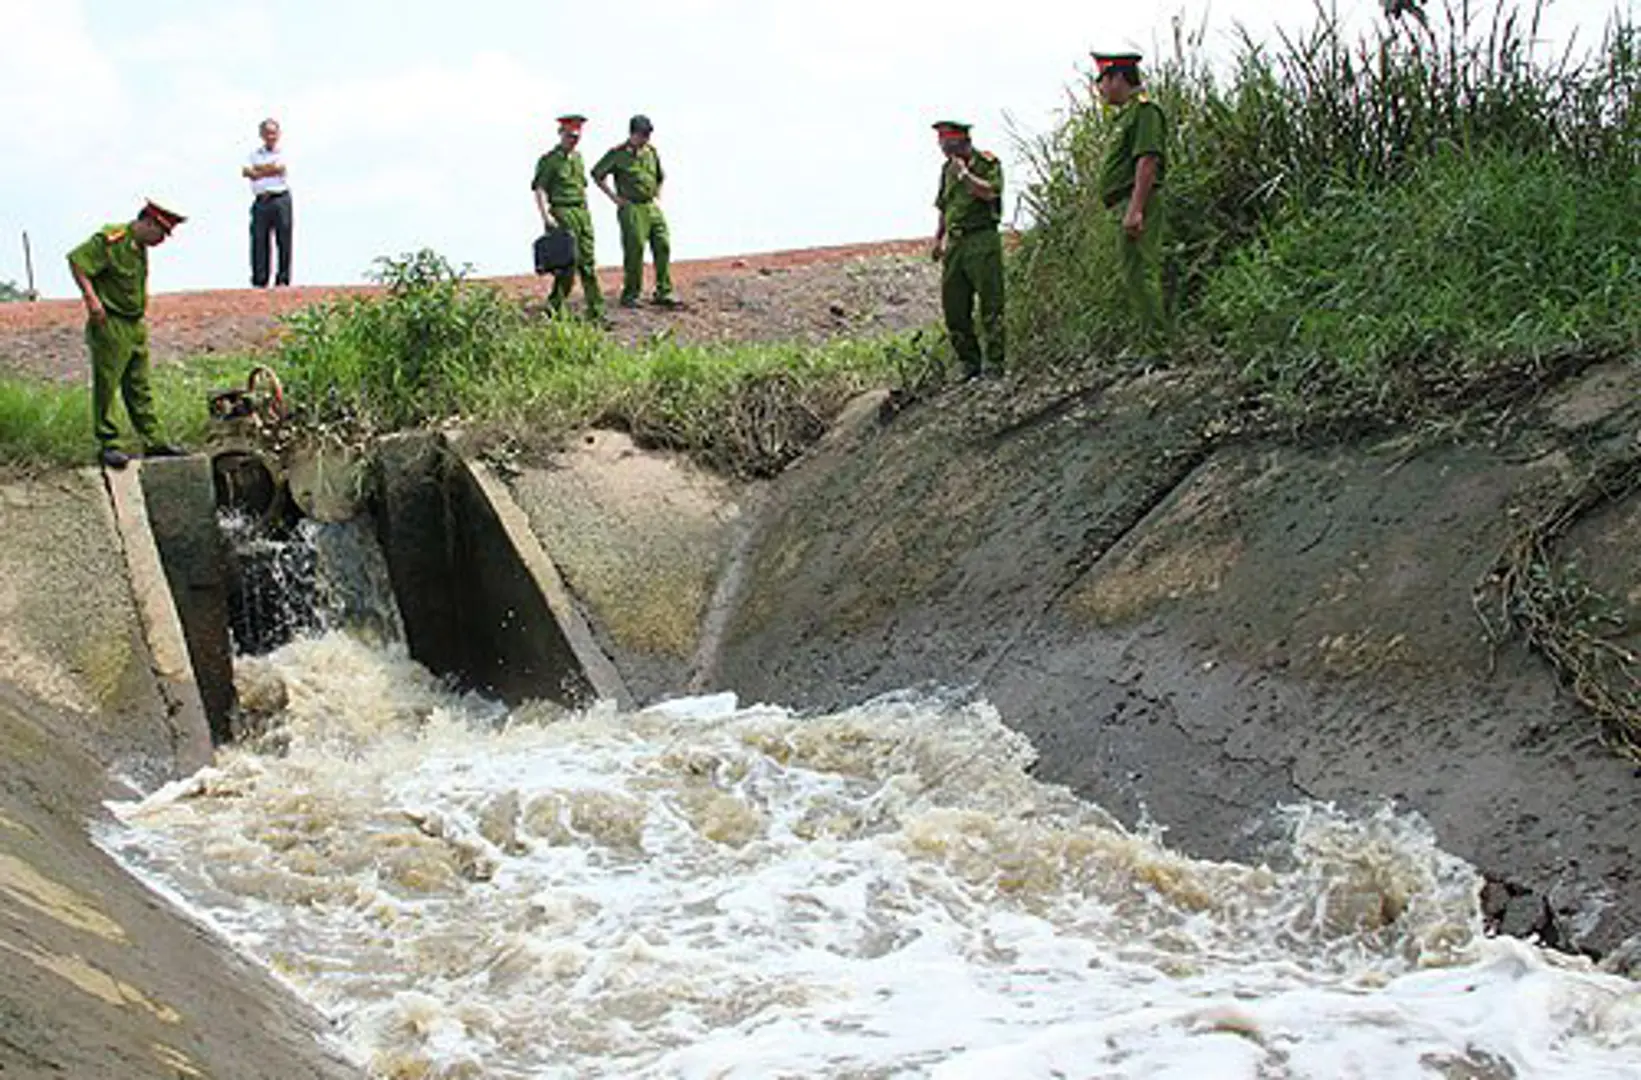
(1195, 630)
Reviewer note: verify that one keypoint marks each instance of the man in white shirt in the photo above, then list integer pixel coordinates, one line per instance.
(270, 207)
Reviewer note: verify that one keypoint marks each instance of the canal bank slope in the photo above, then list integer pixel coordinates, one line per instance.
(101, 977)
(1195, 629)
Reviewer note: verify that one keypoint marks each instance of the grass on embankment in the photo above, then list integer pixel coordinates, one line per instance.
(48, 424)
(435, 348)
(1413, 300)
(1361, 232)
(1412, 230)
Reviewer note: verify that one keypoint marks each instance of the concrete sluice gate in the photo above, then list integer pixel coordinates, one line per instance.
(405, 543)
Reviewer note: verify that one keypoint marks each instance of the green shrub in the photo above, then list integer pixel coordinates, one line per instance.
(436, 347)
(405, 356)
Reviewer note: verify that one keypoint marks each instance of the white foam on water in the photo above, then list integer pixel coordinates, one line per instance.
(703, 890)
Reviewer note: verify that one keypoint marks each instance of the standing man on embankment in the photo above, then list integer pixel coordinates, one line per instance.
(271, 214)
(560, 187)
(637, 194)
(1131, 181)
(969, 248)
(111, 269)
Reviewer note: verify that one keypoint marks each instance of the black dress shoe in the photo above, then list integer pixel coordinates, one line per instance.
(163, 450)
(111, 458)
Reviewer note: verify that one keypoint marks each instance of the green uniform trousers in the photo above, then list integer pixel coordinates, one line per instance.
(1142, 267)
(579, 221)
(973, 267)
(643, 223)
(119, 358)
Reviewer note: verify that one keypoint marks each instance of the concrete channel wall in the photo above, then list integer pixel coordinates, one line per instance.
(98, 977)
(647, 543)
(480, 598)
(116, 675)
(180, 502)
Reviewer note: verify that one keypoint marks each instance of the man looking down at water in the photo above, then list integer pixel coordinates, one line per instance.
(637, 194)
(1131, 178)
(969, 248)
(560, 187)
(111, 269)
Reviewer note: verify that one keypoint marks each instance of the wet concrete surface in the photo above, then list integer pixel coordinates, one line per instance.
(641, 538)
(101, 978)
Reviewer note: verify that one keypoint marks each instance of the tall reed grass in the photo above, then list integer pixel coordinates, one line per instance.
(1315, 123)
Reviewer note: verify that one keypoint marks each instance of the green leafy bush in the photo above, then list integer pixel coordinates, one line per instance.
(405, 356)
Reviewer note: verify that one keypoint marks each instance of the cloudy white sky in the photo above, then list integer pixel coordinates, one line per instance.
(411, 123)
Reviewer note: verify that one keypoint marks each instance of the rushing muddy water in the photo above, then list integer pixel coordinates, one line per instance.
(701, 890)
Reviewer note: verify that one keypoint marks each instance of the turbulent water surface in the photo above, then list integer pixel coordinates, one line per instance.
(702, 890)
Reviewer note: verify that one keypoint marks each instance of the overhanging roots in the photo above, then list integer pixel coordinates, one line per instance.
(1560, 615)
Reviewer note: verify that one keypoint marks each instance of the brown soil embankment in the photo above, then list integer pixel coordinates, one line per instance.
(786, 295)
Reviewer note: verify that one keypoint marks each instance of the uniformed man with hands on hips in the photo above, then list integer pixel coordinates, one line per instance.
(638, 176)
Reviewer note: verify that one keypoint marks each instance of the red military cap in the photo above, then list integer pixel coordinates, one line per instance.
(951, 129)
(571, 122)
(1126, 61)
(170, 219)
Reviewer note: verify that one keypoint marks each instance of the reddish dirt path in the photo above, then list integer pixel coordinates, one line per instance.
(802, 294)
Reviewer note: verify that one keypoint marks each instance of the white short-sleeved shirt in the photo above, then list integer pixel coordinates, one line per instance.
(267, 185)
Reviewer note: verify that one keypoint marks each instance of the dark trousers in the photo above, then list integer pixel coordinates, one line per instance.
(270, 219)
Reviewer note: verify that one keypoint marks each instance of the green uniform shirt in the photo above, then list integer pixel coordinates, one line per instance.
(959, 208)
(638, 173)
(563, 176)
(1141, 131)
(118, 268)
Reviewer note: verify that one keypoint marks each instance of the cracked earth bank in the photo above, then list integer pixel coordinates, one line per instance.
(803, 295)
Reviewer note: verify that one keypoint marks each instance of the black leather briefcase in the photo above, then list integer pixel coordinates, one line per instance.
(555, 251)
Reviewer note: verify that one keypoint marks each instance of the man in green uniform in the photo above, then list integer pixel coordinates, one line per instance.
(111, 269)
(637, 194)
(1131, 180)
(969, 248)
(560, 187)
